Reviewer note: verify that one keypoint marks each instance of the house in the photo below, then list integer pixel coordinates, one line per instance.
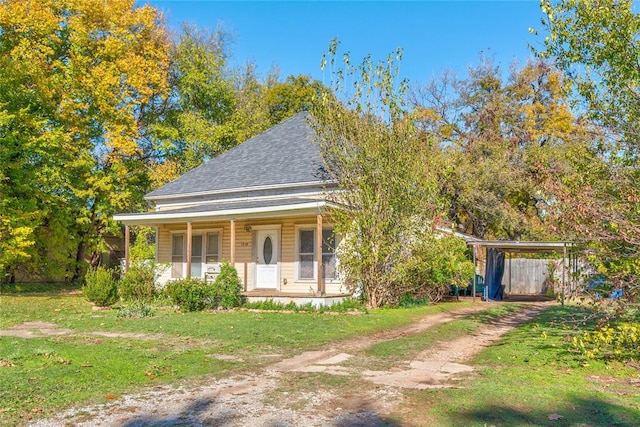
(262, 207)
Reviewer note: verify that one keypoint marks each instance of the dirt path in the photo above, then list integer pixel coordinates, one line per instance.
(244, 400)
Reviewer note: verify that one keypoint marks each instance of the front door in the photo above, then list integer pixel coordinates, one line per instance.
(268, 267)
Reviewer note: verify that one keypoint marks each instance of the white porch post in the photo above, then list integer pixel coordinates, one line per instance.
(188, 251)
(126, 248)
(233, 243)
(319, 253)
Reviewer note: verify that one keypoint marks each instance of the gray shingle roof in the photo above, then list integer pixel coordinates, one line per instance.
(285, 154)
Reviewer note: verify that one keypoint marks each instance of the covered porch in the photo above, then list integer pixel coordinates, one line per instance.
(282, 248)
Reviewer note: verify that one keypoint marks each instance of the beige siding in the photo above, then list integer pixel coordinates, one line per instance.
(246, 253)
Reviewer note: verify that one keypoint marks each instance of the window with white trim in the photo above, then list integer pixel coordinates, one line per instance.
(306, 256)
(213, 248)
(205, 249)
(177, 255)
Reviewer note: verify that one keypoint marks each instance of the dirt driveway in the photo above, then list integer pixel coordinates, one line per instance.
(274, 396)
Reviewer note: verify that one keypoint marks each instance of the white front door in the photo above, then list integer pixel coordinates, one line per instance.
(268, 265)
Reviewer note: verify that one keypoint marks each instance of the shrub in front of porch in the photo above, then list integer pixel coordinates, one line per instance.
(190, 294)
(197, 295)
(137, 284)
(227, 288)
(101, 287)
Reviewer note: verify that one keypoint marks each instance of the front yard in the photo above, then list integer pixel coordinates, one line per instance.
(76, 356)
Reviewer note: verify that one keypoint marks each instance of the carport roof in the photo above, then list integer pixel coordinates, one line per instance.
(522, 246)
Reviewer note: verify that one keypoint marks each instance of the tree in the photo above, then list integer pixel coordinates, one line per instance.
(190, 126)
(295, 94)
(595, 44)
(500, 139)
(76, 77)
(388, 197)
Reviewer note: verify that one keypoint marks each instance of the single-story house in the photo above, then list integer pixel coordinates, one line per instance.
(262, 207)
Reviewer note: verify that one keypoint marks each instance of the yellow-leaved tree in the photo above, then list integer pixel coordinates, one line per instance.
(75, 77)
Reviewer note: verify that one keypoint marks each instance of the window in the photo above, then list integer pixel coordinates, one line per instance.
(213, 250)
(307, 257)
(328, 254)
(205, 249)
(196, 255)
(177, 255)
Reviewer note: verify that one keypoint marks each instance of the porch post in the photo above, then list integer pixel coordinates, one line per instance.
(473, 281)
(564, 270)
(126, 248)
(510, 260)
(319, 252)
(188, 251)
(233, 243)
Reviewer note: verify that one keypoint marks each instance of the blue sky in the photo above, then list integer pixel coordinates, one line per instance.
(435, 35)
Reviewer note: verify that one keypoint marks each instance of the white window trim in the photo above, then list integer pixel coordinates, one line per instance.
(197, 232)
(296, 263)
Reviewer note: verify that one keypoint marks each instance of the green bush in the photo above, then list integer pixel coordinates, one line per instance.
(270, 305)
(138, 282)
(136, 310)
(227, 288)
(347, 305)
(191, 294)
(408, 301)
(101, 287)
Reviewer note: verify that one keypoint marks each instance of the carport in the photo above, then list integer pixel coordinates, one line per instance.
(567, 249)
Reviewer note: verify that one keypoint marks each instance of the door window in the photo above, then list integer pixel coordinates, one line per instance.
(267, 250)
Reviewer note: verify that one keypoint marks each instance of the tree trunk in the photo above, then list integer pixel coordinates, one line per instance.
(77, 271)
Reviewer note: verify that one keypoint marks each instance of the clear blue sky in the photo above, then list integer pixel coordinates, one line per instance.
(435, 35)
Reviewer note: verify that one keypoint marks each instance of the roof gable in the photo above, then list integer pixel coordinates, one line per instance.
(285, 154)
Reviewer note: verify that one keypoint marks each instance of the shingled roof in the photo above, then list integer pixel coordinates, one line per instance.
(285, 154)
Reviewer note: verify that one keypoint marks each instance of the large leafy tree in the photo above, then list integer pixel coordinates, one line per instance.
(501, 139)
(596, 44)
(76, 76)
(386, 171)
(213, 108)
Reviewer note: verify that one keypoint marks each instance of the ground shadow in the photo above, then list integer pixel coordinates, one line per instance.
(202, 413)
(579, 411)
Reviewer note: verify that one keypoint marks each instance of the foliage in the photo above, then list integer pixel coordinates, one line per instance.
(74, 76)
(295, 94)
(191, 127)
(143, 247)
(383, 168)
(345, 306)
(213, 108)
(138, 282)
(191, 294)
(595, 44)
(619, 342)
(500, 138)
(439, 261)
(101, 287)
(135, 310)
(408, 300)
(227, 287)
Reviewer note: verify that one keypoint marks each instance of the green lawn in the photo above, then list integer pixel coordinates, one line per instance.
(521, 380)
(529, 376)
(41, 375)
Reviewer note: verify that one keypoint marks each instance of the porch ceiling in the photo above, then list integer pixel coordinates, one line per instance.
(226, 211)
